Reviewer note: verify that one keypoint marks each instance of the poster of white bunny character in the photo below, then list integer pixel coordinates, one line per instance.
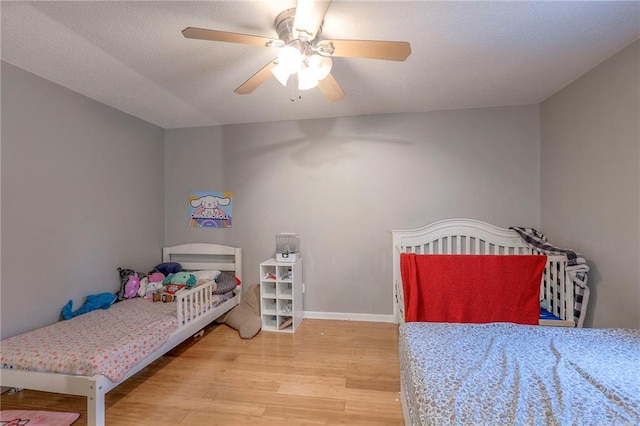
(210, 209)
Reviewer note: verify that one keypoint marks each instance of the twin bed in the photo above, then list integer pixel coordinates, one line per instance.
(93, 353)
(503, 373)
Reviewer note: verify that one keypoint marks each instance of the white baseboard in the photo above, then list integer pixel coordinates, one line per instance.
(343, 316)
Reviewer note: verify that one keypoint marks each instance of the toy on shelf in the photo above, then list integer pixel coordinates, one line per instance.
(287, 309)
(286, 323)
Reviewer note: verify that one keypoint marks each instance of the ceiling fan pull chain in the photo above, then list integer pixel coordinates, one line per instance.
(297, 87)
(294, 84)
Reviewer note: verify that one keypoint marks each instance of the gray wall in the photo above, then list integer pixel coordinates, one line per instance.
(343, 184)
(82, 194)
(195, 163)
(590, 182)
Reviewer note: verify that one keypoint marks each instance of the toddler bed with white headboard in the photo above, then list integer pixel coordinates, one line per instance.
(66, 357)
(473, 237)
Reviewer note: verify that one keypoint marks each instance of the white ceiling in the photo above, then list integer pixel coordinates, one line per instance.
(132, 56)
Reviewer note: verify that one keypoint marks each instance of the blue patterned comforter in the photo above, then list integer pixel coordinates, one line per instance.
(508, 374)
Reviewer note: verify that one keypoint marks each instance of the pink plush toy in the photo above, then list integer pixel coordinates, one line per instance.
(131, 287)
(152, 284)
(156, 277)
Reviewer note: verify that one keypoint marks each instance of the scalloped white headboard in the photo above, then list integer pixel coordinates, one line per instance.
(470, 236)
(460, 236)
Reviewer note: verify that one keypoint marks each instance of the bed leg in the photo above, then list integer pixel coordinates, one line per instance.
(95, 405)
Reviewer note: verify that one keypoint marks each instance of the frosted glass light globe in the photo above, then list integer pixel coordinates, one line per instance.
(290, 59)
(307, 78)
(321, 65)
(281, 74)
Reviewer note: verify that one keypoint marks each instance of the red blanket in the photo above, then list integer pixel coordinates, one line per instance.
(472, 288)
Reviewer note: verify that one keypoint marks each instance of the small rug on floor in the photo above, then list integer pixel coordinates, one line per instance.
(36, 418)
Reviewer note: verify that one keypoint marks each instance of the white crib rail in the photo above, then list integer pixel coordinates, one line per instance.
(195, 303)
(556, 290)
(468, 236)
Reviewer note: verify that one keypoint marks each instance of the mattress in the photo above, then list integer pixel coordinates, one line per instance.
(503, 373)
(107, 342)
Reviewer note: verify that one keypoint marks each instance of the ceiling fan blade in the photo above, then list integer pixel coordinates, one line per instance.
(331, 89)
(257, 79)
(215, 35)
(309, 17)
(371, 49)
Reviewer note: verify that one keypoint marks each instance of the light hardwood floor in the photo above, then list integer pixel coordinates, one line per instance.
(327, 373)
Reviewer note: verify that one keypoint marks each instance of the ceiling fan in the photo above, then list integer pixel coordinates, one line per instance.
(303, 55)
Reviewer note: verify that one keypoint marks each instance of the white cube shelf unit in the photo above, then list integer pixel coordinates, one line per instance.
(281, 295)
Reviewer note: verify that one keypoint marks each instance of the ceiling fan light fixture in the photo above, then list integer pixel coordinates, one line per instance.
(281, 74)
(303, 54)
(290, 59)
(321, 65)
(307, 78)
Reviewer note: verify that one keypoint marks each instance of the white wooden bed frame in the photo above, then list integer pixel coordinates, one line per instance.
(198, 256)
(469, 236)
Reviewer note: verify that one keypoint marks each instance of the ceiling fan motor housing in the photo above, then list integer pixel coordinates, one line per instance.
(285, 28)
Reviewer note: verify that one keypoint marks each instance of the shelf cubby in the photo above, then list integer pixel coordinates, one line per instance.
(281, 295)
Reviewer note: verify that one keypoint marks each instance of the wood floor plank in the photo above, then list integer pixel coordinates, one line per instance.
(327, 373)
(329, 417)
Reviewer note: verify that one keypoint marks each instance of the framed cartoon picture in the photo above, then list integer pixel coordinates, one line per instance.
(210, 209)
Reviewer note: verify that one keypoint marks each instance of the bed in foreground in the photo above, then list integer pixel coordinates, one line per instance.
(503, 374)
(505, 370)
(132, 334)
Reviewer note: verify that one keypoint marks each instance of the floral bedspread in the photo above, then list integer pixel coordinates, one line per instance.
(508, 374)
(106, 342)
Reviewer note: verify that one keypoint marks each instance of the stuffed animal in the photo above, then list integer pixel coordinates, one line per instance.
(155, 277)
(163, 297)
(150, 284)
(154, 287)
(155, 282)
(245, 317)
(169, 286)
(173, 288)
(142, 291)
(125, 275)
(131, 287)
(167, 268)
(182, 278)
(93, 302)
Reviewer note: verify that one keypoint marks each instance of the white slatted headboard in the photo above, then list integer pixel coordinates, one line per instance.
(199, 256)
(469, 236)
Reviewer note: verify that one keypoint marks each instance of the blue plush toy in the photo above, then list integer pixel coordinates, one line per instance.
(93, 302)
(167, 268)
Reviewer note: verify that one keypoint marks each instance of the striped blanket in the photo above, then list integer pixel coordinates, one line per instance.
(577, 267)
